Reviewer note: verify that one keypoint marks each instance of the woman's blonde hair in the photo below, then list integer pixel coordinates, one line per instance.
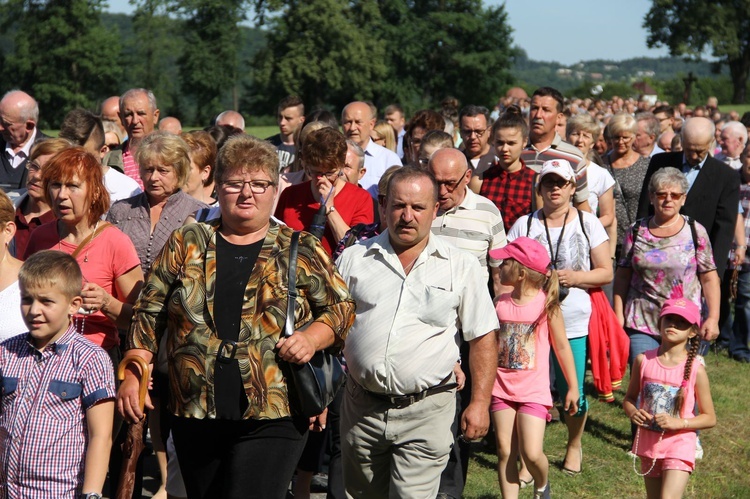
(550, 284)
(385, 130)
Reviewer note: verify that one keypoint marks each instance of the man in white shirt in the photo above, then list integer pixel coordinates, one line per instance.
(645, 138)
(413, 291)
(394, 115)
(732, 142)
(19, 114)
(357, 122)
(85, 129)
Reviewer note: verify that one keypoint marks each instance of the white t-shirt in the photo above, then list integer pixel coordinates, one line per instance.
(574, 254)
(11, 320)
(599, 182)
(120, 186)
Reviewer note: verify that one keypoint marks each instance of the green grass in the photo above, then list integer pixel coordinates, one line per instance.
(608, 471)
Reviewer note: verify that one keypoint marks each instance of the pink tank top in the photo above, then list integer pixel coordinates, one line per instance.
(523, 352)
(659, 386)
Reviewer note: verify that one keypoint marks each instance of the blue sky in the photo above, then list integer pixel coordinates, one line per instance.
(566, 31)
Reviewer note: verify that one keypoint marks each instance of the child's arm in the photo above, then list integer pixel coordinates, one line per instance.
(706, 419)
(99, 419)
(564, 354)
(638, 416)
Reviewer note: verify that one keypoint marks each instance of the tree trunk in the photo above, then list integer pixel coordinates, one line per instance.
(739, 69)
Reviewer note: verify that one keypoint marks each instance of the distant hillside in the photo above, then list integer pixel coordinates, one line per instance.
(563, 77)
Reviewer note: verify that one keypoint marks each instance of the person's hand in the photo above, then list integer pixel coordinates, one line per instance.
(710, 329)
(641, 418)
(94, 297)
(571, 402)
(569, 278)
(318, 423)
(739, 255)
(460, 376)
(128, 404)
(297, 348)
(667, 422)
(323, 186)
(475, 421)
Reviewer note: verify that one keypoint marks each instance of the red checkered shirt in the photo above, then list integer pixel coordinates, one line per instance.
(129, 166)
(511, 192)
(45, 395)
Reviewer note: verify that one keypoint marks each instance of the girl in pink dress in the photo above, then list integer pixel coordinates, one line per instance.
(530, 320)
(669, 381)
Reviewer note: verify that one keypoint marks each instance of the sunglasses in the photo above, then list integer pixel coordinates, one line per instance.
(673, 196)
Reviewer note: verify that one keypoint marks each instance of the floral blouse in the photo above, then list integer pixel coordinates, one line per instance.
(663, 268)
(178, 298)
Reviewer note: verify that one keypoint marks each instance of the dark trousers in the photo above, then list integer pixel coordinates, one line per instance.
(238, 459)
(335, 471)
(453, 478)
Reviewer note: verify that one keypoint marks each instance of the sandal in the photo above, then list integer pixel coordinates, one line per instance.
(571, 472)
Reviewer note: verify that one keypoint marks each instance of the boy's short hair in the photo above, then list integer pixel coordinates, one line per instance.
(52, 268)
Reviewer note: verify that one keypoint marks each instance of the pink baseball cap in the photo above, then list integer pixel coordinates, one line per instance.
(526, 251)
(682, 307)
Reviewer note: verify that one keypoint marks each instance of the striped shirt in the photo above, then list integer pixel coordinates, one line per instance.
(475, 225)
(129, 166)
(45, 396)
(559, 149)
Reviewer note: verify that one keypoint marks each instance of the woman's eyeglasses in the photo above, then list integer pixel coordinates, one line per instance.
(256, 186)
(673, 196)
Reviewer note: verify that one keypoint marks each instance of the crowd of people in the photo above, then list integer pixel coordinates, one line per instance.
(464, 264)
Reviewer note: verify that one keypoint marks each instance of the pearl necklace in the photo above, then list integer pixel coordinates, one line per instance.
(657, 226)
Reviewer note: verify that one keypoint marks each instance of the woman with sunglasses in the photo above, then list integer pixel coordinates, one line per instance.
(578, 247)
(664, 256)
(323, 156)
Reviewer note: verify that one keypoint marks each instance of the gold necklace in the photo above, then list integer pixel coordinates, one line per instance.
(657, 226)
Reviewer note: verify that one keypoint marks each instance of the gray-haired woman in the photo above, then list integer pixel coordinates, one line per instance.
(664, 256)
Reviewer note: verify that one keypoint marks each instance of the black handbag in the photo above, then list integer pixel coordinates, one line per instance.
(313, 385)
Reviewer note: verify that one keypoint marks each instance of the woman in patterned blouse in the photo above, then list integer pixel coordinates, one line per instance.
(218, 292)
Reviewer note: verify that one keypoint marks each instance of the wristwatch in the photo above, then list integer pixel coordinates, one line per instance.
(330, 210)
(91, 495)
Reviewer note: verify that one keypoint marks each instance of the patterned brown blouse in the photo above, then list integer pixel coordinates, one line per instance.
(178, 298)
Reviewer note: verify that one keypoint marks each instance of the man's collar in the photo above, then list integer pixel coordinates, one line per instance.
(26, 149)
(60, 344)
(382, 245)
(698, 166)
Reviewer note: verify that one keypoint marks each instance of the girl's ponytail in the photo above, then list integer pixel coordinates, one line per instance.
(552, 289)
(679, 399)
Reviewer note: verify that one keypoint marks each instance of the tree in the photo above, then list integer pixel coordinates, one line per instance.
(442, 47)
(208, 65)
(689, 27)
(320, 50)
(63, 56)
(151, 54)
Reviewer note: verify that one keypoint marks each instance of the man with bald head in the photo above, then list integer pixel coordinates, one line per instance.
(19, 114)
(714, 188)
(473, 223)
(111, 112)
(358, 121)
(139, 115)
(170, 124)
(231, 118)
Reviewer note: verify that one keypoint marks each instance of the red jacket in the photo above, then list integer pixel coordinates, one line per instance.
(608, 346)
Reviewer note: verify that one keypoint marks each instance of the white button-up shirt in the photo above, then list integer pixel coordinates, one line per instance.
(404, 338)
(377, 160)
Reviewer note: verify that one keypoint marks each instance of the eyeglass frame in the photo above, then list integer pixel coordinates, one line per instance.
(468, 133)
(453, 185)
(231, 186)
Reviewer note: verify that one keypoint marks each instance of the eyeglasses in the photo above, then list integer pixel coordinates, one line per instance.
(33, 167)
(450, 185)
(623, 138)
(256, 186)
(468, 132)
(424, 162)
(550, 182)
(331, 176)
(674, 196)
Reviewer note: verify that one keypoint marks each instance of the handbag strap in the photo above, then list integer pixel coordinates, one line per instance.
(291, 285)
(97, 230)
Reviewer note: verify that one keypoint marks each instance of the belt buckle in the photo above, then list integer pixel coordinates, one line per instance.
(228, 346)
(402, 401)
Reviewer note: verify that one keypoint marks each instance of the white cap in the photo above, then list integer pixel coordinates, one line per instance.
(559, 167)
